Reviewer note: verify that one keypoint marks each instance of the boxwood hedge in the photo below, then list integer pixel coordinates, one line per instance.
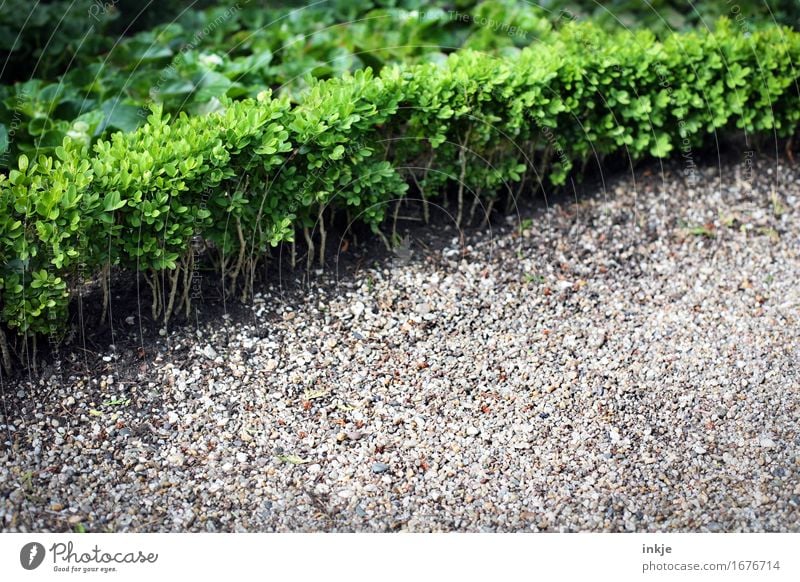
(250, 177)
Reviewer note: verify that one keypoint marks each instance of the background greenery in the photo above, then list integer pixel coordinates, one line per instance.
(98, 66)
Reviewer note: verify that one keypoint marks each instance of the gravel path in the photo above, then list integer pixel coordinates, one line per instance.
(628, 363)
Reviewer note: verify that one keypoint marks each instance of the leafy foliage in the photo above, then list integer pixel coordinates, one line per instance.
(53, 35)
(250, 174)
(236, 50)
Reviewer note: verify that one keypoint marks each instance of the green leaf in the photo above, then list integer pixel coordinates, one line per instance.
(212, 85)
(293, 459)
(38, 125)
(120, 116)
(112, 201)
(337, 153)
(662, 147)
(154, 52)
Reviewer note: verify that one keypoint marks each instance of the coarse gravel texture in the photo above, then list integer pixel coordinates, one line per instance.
(628, 362)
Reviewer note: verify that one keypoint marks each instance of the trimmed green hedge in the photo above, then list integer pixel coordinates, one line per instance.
(249, 178)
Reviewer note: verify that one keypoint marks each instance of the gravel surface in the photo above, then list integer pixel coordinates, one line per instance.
(626, 363)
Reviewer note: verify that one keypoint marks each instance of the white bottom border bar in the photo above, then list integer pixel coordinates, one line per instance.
(352, 557)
